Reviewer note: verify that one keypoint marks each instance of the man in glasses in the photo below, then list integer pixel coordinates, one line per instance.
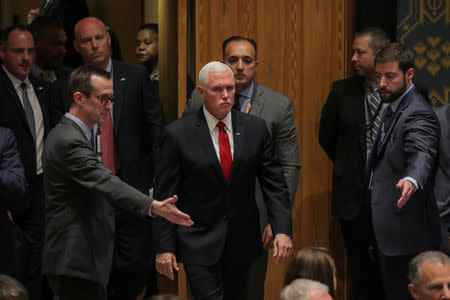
(81, 193)
(128, 138)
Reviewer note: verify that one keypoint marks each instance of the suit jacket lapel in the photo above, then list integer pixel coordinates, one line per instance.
(257, 100)
(203, 137)
(14, 98)
(120, 84)
(398, 112)
(238, 133)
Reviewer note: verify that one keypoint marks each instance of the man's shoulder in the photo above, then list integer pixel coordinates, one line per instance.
(443, 112)
(124, 67)
(354, 82)
(270, 95)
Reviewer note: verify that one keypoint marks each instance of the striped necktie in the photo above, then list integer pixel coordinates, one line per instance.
(374, 107)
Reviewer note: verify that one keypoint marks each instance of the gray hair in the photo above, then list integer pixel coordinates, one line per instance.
(11, 289)
(415, 264)
(212, 67)
(301, 289)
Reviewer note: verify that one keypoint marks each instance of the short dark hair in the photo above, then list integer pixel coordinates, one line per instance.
(42, 23)
(10, 288)
(378, 38)
(238, 38)
(7, 32)
(150, 26)
(80, 79)
(396, 52)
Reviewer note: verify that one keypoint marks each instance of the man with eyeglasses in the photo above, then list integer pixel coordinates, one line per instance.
(81, 193)
(129, 138)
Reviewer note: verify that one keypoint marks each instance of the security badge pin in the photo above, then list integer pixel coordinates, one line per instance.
(123, 79)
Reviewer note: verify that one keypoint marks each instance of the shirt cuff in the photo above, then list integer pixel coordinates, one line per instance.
(416, 186)
(149, 212)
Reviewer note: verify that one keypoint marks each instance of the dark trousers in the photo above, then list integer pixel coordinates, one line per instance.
(125, 285)
(362, 257)
(32, 223)
(72, 288)
(394, 275)
(229, 279)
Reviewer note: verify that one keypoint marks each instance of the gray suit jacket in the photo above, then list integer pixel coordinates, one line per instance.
(79, 216)
(442, 178)
(408, 149)
(276, 110)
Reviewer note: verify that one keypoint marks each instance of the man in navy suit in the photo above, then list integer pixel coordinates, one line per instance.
(404, 212)
(137, 120)
(12, 188)
(211, 159)
(25, 109)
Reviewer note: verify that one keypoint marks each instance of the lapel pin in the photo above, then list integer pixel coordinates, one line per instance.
(238, 133)
(40, 88)
(123, 79)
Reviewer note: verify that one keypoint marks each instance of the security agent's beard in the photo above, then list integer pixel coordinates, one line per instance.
(393, 95)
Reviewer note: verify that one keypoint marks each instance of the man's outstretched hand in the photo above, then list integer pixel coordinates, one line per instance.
(169, 211)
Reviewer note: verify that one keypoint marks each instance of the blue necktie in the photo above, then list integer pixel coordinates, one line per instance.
(28, 110)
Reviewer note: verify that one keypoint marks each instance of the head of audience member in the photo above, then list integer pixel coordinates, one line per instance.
(165, 297)
(305, 289)
(239, 53)
(313, 263)
(50, 40)
(92, 42)
(11, 289)
(216, 88)
(366, 45)
(17, 51)
(92, 91)
(394, 69)
(429, 276)
(147, 46)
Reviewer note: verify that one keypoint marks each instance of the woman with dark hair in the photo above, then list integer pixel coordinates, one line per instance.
(147, 49)
(313, 263)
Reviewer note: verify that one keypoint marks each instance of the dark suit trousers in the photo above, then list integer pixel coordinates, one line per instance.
(362, 257)
(32, 222)
(394, 274)
(71, 288)
(231, 278)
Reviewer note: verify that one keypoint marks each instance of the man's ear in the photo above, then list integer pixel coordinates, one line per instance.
(201, 91)
(2, 52)
(413, 291)
(410, 73)
(78, 98)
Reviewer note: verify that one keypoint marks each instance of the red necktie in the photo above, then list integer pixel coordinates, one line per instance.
(107, 139)
(225, 150)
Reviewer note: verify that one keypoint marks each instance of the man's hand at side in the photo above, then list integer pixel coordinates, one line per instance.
(165, 263)
(267, 238)
(282, 248)
(169, 211)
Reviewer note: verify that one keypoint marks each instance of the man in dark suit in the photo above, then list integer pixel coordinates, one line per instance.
(25, 110)
(346, 135)
(442, 177)
(50, 40)
(405, 216)
(212, 158)
(240, 54)
(81, 193)
(12, 189)
(137, 121)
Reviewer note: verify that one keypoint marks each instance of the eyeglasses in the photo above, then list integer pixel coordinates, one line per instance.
(104, 98)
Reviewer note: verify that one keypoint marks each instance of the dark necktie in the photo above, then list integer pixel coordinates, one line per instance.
(386, 123)
(28, 109)
(236, 105)
(374, 107)
(109, 157)
(92, 140)
(225, 151)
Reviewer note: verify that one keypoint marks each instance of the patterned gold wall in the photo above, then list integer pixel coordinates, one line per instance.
(424, 26)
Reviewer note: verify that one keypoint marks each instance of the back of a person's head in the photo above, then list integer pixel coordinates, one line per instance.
(313, 263)
(305, 289)
(165, 297)
(11, 289)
